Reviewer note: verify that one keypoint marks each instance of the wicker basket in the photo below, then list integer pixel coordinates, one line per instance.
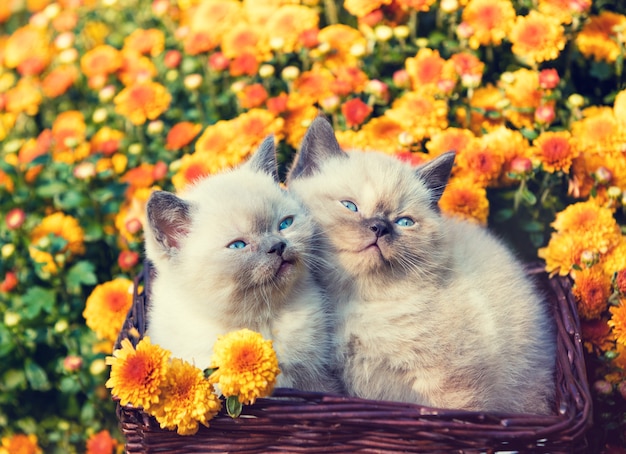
(295, 421)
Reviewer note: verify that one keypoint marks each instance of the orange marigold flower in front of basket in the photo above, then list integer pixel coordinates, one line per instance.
(246, 365)
(101, 443)
(107, 306)
(618, 322)
(63, 226)
(20, 444)
(102, 60)
(187, 398)
(599, 39)
(555, 150)
(181, 135)
(490, 21)
(142, 101)
(596, 335)
(464, 199)
(591, 289)
(361, 8)
(588, 216)
(537, 38)
(563, 253)
(355, 112)
(138, 374)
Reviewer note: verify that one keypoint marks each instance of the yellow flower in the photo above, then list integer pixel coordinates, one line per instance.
(537, 38)
(562, 253)
(592, 289)
(618, 322)
(142, 101)
(187, 398)
(490, 20)
(361, 8)
(107, 306)
(522, 90)
(598, 38)
(421, 115)
(246, 365)
(564, 10)
(587, 216)
(464, 199)
(137, 374)
(428, 69)
(555, 151)
(62, 226)
(20, 444)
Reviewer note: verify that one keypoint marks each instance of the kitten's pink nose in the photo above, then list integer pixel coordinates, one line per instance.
(379, 228)
(277, 248)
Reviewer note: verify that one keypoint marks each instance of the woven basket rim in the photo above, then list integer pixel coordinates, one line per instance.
(298, 421)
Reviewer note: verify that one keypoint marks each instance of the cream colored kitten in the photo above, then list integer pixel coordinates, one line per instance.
(234, 252)
(431, 310)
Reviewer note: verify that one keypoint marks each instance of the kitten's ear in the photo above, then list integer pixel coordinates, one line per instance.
(169, 220)
(319, 143)
(264, 159)
(436, 174)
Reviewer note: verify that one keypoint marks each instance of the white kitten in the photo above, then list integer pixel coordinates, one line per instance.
(431, 310)
(233, 252)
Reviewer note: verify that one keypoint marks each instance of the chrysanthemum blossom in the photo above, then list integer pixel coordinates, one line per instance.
(489, 20)
(598, 38)
(63, 226)
(591, 289)
(107, 306)
(137, 374)
(361, 8)
(537, 38)
(181, 135)
(465, 199)
(187, 399)
(142, 101)
(101, 443)
(618, 322)
(564, 10)
(20, 443)
(555, 150)
(246, 365)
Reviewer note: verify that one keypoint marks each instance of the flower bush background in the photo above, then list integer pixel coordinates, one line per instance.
(102, 101)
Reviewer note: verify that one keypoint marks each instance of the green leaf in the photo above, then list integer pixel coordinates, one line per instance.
(69, 385)
(208, 371)
(36, 376)
(51, 189)
(503, 215)
(529, 134)
(233, 406)
(82, 273)
(37, 299)
(13, 379)
(528, 197)
(71, 199)
(601, 70)
(532, 226)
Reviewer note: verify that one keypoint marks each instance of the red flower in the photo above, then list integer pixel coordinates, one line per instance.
(9, 283)
(355, 112)
(244, 65)
(252, 96)
(549, 78)
(101, 443)
(127, 259)
(172, 59)
(15, 218)
(181, 134)
(278, 104)
(218, 61)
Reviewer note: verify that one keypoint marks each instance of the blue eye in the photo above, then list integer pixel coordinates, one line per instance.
(285, 223)
(349, 205)
(237, 245)
(405, 222)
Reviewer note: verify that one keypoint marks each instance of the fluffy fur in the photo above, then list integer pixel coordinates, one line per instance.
(234, 251)
(430, 310)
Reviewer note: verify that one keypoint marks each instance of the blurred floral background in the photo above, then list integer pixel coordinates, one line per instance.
(103, 100)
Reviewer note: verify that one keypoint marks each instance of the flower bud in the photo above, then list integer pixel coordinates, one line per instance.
(290, 73)
(576, 100)
(603, 175)
(11, 319)
(68, 55)
(192, 81)
(61, 326)
(9, 283)
(549, 78)
(99, 115)
(520, 165)
(107, 93)
(383, 33)
(614, 192)
(603, 387)
(545, 114)
(135, 148)
(277, 43)
(449, 6)
(401, 32)
(266, 71)
(15, 218)
(155, 127)
(406, 139)
(85, 170)
(7, 250)
(72, 363)
(330, 104)
(97, 367)
(172, 59)
(358, 50)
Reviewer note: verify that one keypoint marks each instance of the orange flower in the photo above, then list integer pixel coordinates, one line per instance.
(522, 89)
(450, 139)
(480, 163)
(20, 444)
(107, 306)
(136, 68)
(469, 67)
(589, 216)
(289, 22)
(101, 443)
(592, 289)
(194, 167)
(490, 21)
(106, 141)
(348, 80)
(28, 46)
(598, 38)
(24, 97)
(147, 42)
(102, 60)
(341, 39)
(252, 96)
(141, 176)
(427, 69)
(379, 134)
(618, 322)
(464, 199)
(361, 8)
(62, 226)
(142, 101)
(243, 39)
(596, 335)
(537, 38)
(599, 132)
(315, 85)
(563, 253)
(198, 42)
(420, 115)
(59, 80)
(355, 112)
(181, 135)
(244, 64)
(484, 113)
(564, 10)
(555, 151)
(300, 112)
(418, 5)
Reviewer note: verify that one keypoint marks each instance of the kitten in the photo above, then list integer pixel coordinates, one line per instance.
(234, 252)
(430, 310)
